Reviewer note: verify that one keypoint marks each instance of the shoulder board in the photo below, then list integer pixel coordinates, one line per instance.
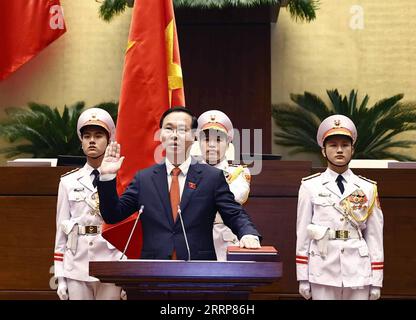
(312, 176)
(69, 172)
(235, 165)
(368, 180)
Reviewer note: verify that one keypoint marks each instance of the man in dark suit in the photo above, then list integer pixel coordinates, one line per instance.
(179, 189)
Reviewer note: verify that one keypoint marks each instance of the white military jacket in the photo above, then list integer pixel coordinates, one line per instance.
(77, 206)
(238, 178)
(353, 262)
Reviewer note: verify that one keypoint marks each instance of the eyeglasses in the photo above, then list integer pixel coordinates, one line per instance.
(170, 130)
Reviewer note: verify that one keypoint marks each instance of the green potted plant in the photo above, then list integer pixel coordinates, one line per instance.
(378, 126)
(302, 10)
(43, 132)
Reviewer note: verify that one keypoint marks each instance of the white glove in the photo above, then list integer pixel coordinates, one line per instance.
(123, 295)
(305, 289)
(62, 290)
(250, 241)
(375, 293)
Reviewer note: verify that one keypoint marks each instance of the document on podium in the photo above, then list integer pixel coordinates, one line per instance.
(265, 254)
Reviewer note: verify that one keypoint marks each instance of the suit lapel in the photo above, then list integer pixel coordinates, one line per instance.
(330, 184)
(191, 184)
(160, 180)
(351, 186)
(85, 179)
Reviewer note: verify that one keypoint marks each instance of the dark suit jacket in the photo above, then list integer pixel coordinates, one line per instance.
(205, 192)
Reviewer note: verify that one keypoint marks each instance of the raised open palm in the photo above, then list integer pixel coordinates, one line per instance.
(112, 160)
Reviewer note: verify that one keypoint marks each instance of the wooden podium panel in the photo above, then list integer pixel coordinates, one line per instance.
(172, 279)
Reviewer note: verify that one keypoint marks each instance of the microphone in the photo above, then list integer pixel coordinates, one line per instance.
(132, 230)
(184, 233)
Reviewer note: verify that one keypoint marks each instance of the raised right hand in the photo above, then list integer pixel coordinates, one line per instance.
(112, 160)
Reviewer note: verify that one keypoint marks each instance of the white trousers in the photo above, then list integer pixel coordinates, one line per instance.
(321, 292)
(83, 290)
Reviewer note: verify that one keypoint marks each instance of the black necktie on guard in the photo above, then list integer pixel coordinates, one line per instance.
(340, 184)
(96, 174)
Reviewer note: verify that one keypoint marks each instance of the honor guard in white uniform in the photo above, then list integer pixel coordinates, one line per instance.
(78, 220)
(339, 248)
(215, 132)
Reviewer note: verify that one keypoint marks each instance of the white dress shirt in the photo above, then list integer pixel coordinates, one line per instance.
(182, 176)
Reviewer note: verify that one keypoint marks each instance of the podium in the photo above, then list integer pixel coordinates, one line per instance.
(188, 280)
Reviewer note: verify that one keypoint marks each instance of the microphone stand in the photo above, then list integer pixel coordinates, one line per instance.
(132, 230)
(184, 233)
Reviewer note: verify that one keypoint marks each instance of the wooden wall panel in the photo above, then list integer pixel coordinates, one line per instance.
(30, 180)
(276, 220)
(279, 178)
(399, 258)
(226, 63)
(27, 236)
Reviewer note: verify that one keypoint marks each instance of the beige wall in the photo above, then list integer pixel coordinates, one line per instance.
(85, 64)
(378, 60)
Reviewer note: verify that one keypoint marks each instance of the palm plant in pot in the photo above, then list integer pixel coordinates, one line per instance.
(44, 132)
(379, 126)
(302, 10)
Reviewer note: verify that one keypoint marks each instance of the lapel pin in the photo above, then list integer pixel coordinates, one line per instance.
(192, 185)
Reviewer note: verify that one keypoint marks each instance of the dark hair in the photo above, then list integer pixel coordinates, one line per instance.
(194, 124)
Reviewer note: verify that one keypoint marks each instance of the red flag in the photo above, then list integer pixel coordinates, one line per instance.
(152, 83)
(27, 27)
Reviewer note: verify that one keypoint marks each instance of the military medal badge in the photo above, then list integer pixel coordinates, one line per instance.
(358, 200)
(357, 205)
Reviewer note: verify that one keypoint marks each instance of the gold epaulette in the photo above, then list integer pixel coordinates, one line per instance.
(234, 175)
(235, 165)
(69, 172)
(312, 176)
(368, 180)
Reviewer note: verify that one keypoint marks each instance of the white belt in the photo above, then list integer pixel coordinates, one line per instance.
(343, 234)
(83, 230)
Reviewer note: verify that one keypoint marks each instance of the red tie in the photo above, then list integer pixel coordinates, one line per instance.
(175, 198)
